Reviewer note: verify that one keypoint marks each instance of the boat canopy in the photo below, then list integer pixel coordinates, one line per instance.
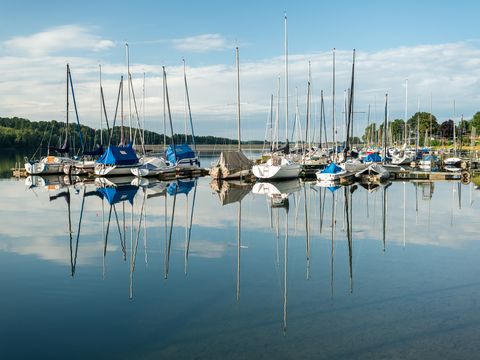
(119, 155)
(373, 157)
(118, 194)
(332, 169)
(234, 160)
(181, 152)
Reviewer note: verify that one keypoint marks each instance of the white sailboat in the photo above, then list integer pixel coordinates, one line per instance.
(53, 164)
(279, 166)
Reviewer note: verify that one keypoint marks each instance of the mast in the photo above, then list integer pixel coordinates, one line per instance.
(333, 109)
(385, 124)
(349, 133)
(122, 135)
(189, 112)
(367, 140)
(418, 125)
(129, 97)
(143, 109)
(101, 103)
(307, 142)
(286, 80)
(169, 113)
(277, 116)
(454, 135)
(430, 125)
(406, 112)
(185, 101)
(164, 112)
(238, 99)
(68, 107)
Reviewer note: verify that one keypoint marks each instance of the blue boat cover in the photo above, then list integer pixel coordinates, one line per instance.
(180, 187)
(332, 169)
(373, 157)
(118, 194)
(119, 155)
(182, 151)
(333, 188)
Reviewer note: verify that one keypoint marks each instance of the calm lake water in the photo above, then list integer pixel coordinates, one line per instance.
(185, 270)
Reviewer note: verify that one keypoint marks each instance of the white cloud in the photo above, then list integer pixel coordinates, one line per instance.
(57, 39)
(201, 43)
(33, 87)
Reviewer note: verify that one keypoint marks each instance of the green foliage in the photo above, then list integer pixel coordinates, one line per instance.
(424, 119)
(476, 121)
(28, 136)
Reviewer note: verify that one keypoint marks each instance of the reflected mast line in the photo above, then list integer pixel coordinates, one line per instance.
(239, 226)
(190, 227)
(171, 230)
(285, 293)
(135, 246)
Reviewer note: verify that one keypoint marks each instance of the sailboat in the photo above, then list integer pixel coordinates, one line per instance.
(117, 160)
(54, 164)
(279, 165)
(454, 161)
(332, 172)
(182, 155)
(233, 164)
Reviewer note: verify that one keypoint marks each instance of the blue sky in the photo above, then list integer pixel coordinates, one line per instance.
(436, 45)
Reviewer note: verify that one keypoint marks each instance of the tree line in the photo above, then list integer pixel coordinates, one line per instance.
(25, 135)
(430, 132)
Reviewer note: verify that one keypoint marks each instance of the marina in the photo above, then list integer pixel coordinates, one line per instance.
(252, 180)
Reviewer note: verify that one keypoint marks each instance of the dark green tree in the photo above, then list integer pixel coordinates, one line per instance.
(425, 120)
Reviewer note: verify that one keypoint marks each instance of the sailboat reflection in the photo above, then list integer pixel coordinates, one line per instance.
(67, 196)
(115, 195)
(277, 192)
(181, 186)
(230, 192)
(51, 182)
(278, 195)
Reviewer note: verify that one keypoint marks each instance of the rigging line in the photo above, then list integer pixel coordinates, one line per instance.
(136, 113)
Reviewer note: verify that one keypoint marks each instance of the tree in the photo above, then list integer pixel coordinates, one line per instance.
(445, 129)
(397, 129)
(476, 121)
(425, 119)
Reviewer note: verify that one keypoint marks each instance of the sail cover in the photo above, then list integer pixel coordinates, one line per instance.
(373, 157)
(332, 169)
(119, 155)
(181, 151)
(234, 160)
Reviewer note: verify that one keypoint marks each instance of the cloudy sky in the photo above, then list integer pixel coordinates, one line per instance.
(435, 45)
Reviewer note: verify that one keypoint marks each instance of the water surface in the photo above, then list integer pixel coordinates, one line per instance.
(190, 270)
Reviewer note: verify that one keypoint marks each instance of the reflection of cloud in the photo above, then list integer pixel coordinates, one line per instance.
(44, 228)
(201, 43)
(52, 248)
(57, 39)
(204, 249)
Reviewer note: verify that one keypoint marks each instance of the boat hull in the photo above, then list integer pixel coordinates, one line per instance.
(114, 170)
(266, 171)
